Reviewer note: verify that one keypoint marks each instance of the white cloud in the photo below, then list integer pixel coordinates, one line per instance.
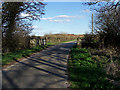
(61, 18)
(65, 16)
(34, 27)
(24, 15)
(60, 21)
(28, 15)
(86, 10)
(46, 18)
(58, 18)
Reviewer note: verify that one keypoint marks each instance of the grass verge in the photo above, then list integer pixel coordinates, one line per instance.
(86, 73)
(11, 56)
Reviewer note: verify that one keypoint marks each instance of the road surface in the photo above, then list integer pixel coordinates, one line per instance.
(46, 69)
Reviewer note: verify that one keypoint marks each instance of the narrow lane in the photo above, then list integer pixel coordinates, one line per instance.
(46, 69)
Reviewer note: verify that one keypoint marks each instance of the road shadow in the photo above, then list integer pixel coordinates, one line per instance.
(51, 63)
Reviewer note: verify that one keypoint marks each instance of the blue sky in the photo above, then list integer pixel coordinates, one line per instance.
(63, 17)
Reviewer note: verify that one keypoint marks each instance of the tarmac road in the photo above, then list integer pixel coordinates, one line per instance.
(45, 69)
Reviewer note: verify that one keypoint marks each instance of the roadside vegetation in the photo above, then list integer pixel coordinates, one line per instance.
(12, 56)
(88, 71)
(95, 62)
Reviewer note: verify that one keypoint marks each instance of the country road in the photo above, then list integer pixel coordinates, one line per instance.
(45, 69)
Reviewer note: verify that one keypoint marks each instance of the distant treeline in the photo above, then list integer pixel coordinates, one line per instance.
(61, 37)
(26, 42)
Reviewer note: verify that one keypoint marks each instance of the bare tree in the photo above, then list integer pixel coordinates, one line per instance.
(106, 20)
(107, 24)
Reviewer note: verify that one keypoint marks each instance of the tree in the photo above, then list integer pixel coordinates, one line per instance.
(104, 5)
(107, 24)
(11, 12)
(106, 21)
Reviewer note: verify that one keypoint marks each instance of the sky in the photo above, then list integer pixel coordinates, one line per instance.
(63, 17)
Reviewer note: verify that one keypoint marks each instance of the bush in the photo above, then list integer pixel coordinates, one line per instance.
(91, 41)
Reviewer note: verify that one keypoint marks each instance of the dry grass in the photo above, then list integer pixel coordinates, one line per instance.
(110, 59)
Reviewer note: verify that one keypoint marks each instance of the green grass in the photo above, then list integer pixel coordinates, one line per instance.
(11, 56)
(85, 73)
(55, 43)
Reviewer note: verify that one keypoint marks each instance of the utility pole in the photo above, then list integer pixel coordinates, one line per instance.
(92, 23)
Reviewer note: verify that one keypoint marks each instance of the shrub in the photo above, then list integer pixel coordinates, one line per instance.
(91, 41)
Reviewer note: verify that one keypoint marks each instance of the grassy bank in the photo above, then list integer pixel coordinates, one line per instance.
(9, 57)
(86, 73)
(12, 56)
(55, 43)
